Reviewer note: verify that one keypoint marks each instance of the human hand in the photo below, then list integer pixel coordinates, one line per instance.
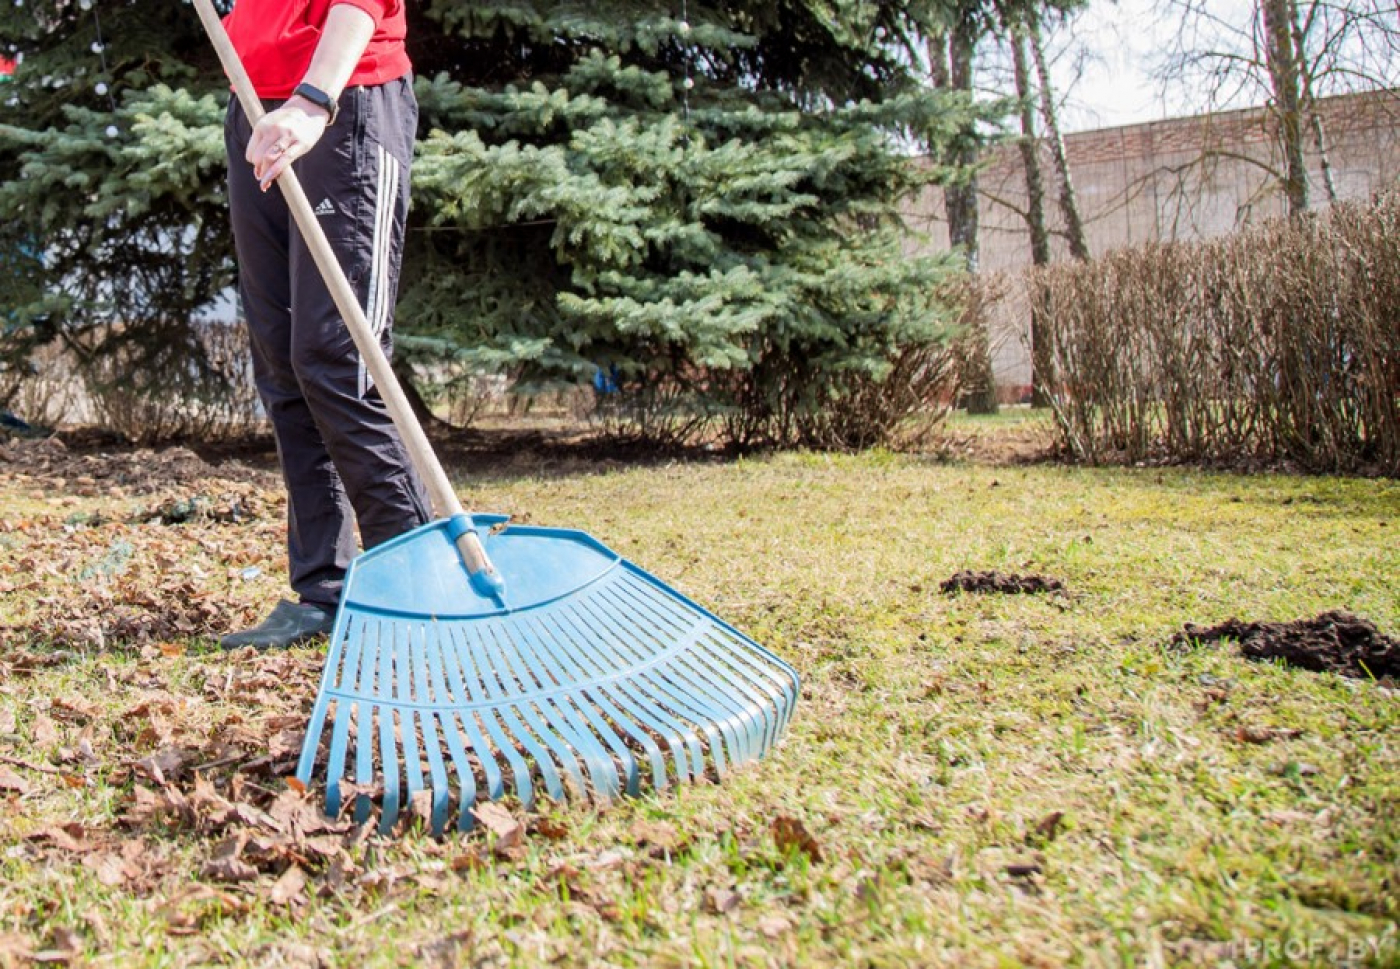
(282, 136)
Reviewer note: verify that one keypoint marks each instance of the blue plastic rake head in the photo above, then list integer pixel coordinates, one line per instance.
(586, 677)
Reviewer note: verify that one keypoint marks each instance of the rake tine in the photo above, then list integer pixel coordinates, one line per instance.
(341, 665)
(462, 704)
(555, 701)
(364, 759)
(735, 668)
(556, 664)
(753, 680)
(403, 693)
(756, 718)
(778, 693)
(530, 704)
(679, 737)
(437, 770)
(696, 688)
(673, 693)
(729, 718)
(366, 712)
(733, 717)
(388, 749)
(724, 645)
(520, 771)
(670, 693)
(508, 707)
(466, 778)
(405, 690)
(428, 721)
(306, 763)
(777, 675)
(593, 694)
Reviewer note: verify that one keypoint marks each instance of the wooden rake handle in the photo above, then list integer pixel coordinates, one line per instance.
(440, 491)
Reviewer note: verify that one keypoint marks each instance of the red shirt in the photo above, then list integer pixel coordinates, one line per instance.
(276, 38)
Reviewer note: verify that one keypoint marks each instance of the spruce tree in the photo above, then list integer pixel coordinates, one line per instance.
(697, 200)
(111, 130)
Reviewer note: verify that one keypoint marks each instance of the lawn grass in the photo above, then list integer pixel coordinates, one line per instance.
(986, 780)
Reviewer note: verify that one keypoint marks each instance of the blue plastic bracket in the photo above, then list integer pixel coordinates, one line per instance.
(486, 582)
(459, 525)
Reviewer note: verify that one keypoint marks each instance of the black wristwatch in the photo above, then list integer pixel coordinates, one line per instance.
(319, 98)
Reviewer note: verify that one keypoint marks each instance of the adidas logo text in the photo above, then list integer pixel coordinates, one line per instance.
(327, 207)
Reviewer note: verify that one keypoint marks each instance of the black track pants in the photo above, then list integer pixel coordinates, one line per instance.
(338, 448)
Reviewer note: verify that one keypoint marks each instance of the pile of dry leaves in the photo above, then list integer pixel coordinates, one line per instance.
(163, 560)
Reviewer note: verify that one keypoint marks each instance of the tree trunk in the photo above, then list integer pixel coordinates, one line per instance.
(960, 206)
(1300, 51)
(960, 200)
(1286, 81)
(1030, 156)
(1035, 210)
(1069, 202)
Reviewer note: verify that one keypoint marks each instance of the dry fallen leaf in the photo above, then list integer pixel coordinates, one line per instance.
(44, 732)
(507, 830)
(74, 709)
(447, 951)
(551, 828)
(109, 869)
(15, 949)
(162, 766)
(227, 864)
(288, 888)
(11, 781)
(65, 837)
(420, 808)
(661, 836)
(65, 945)
(774, 926)
(1262, 735)
(722, 900)
(791, 835)
(1049, 825)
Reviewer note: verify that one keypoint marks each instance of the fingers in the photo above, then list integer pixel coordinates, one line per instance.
(280, 138)
(270, 151)
(266, 135)
(275, 161)
(269, 171)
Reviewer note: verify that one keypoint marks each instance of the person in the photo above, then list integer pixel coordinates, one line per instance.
(335, 78)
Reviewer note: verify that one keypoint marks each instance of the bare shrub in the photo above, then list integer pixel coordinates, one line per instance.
(191, 381)
(901, 410)
(41, 390)
(974, 383)
(662, 411)
(1273, 345)
(150, 392)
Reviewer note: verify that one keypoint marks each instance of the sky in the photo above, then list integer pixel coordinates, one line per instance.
(1121, 40)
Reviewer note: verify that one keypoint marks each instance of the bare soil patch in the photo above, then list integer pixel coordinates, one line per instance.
(1332, 642)
(1000, 582)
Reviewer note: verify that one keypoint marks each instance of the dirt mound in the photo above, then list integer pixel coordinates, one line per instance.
(969, 581)
(53, 466)
(1333, 642)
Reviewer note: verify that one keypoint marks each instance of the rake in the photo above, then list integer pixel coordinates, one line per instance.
(472, 658)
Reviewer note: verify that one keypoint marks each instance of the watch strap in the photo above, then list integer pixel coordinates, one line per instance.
(319, 98)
